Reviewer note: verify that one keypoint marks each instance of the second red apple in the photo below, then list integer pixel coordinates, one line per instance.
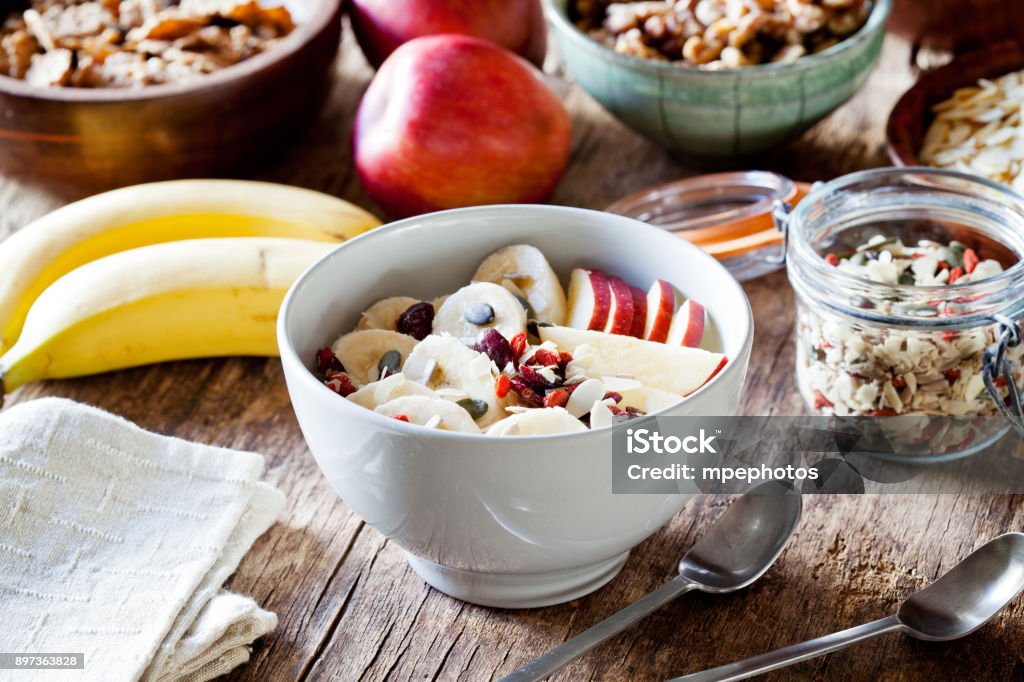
(452, 121)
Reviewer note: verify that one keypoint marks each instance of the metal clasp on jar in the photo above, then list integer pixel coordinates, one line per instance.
(997, 366)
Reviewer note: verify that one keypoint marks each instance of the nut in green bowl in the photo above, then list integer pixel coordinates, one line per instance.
(719, 112)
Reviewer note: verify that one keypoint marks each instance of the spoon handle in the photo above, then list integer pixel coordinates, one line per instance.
(539, 668)
(780, 658)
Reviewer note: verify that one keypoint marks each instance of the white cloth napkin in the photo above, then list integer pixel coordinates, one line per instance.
(115, 543)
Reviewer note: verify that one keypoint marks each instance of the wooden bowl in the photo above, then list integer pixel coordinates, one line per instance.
(78, 141)
(957, 24)
(912, 115)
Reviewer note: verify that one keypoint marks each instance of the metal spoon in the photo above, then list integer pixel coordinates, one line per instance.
(958, 603)
(736, 550)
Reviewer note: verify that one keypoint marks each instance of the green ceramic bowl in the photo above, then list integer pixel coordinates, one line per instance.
(719, 113)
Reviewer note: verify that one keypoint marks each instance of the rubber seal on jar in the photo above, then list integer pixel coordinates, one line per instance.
(729, 215)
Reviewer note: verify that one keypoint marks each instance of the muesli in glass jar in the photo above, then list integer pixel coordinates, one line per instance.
(907, 281)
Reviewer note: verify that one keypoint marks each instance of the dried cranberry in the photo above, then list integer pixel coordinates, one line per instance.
(340, 384)
(617, 397)
(952, 374)
(557, 398)
(535, 379)
(518, 345)
(563, 360)
(495, 346)
(634, 411)
(416, 321)
(401, 418)
(884, 412)
(327, 361)
(899, 382)
(525, 393)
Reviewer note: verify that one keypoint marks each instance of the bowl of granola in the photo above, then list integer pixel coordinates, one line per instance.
(98, 95)
(457, 377)
(719, 77)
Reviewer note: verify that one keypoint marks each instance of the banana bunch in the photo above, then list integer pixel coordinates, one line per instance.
(156, 272)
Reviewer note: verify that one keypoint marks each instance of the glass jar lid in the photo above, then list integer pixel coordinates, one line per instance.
(729, 215)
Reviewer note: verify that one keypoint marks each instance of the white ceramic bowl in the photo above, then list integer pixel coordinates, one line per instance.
(515, 521)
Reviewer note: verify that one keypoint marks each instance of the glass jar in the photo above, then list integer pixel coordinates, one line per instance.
(866, 348)
(729, 215)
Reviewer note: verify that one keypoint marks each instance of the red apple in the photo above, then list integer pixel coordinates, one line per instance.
(639, 312)
(688, 325)
(452, 121)
(381, 26)
(590, 299)
(661, 306)
(620, 318)
(721, 365)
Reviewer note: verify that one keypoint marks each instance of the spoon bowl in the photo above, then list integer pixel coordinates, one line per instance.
(959, 602)
(970, 594)
(745, 541)
(735, 551)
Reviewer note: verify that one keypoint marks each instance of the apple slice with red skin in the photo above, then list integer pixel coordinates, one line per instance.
(661, 306)
(639, 312)
(590, 299)
(688, 325)
(620, 317)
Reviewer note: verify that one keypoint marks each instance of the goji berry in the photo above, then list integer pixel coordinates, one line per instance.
(899, 382)
(955, 274)
(557, 398)
(821, 401)
(401, 418)
(832, 259)
(545, 357)
(502, 385)
(518, 345)
(884, 412)
(971, 260)
(952, 374)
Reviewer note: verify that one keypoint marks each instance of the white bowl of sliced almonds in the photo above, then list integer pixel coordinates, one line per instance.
(457, 377)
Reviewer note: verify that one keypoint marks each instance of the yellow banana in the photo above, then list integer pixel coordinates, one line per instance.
(38, 254)
(184, 299)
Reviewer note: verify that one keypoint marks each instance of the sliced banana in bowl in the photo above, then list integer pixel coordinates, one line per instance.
(444, 364)
(431, 412)
(476, 307)
(527, 268)
(384, 314)
(543, 421)
(386, 390)
(365, 351)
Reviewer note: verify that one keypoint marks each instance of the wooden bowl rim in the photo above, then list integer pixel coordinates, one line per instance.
(324, 13)
(876, 21)
(948, 78)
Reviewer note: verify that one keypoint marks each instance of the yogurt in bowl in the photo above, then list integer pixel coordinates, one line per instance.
(501, 521)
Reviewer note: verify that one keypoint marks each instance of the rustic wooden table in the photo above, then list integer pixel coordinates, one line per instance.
(351, 609)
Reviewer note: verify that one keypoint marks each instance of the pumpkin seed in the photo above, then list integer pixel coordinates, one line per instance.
(479, 313)
(476, 408)
(389, 364)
